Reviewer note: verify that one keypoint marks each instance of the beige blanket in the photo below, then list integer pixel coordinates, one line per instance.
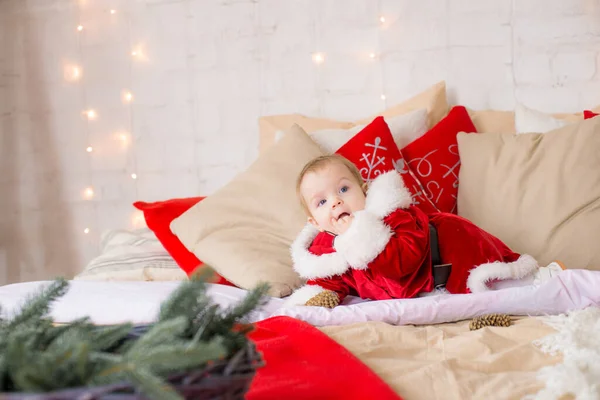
(449, 361)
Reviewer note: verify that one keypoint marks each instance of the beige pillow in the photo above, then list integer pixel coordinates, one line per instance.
(497, 121)
(539, 193)
(493, 121)
(433, 100)
(245, 229)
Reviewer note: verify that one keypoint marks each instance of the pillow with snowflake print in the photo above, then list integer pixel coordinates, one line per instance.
(374, 152)
(434, 158)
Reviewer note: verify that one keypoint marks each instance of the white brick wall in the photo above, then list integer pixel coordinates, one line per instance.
(211, 67)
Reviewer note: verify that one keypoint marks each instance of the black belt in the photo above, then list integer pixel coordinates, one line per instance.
(441, 272)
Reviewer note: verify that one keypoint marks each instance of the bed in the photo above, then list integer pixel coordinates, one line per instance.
(419, 348)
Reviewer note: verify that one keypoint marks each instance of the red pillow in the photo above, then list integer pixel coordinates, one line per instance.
(435, 161)
(158, 216)
(587, 114)
(374, 152)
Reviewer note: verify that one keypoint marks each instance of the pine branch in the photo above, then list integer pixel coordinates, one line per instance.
(251, 301)
(107, 338)
(187, 301)
(222, 325)
(38, 305)
(179, 357)
(53, 332)
(36, 356)
(152, 386)
(161, 333)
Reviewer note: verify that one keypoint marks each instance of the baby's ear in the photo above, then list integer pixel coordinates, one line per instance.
(365, 187)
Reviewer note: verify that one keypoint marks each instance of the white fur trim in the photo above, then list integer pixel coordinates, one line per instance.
(364, 240)
(387, 193)
(524, 266)
(302, 295)
(311, 266)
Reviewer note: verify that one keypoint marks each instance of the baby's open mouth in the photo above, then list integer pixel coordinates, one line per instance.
(344, 214)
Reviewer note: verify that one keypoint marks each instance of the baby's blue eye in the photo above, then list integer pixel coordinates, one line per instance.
(344, 189)
(321, 202)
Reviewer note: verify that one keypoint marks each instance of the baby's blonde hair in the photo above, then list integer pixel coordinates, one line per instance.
(318, 163)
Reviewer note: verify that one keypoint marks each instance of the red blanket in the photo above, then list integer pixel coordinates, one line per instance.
(304, 363)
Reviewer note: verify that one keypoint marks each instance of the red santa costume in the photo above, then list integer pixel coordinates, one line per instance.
(386, 251)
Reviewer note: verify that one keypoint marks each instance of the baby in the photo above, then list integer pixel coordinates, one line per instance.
(373, 243)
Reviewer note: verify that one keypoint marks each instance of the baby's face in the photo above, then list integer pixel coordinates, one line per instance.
(331, 193)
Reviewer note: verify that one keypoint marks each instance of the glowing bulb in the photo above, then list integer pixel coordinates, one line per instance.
(86, 230)
(137, 219)
(382, 19)
(113, 11)
(91, 114)
(318, 58)
(123, 138)
(372, 55)
(80, 28)
(72, 73)
(127, 97)
(88, 193)
(138, 53)
(89, 149)
(383, 97)
(133, 176)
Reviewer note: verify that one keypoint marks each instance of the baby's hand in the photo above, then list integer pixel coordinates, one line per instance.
(341, 225)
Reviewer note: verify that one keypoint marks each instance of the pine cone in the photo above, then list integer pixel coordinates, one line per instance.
(490, 320)
(326, 298)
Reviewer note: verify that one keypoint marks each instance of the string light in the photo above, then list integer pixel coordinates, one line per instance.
(372, 55)
(80, 28)
(127, 97)
(72, 73)
(91, 114)
(318, 58)
(86, 230)
(133, 176)
(137, 219)
(123, 137)
(113, 11)
(382, 19)
(383, 97)
(88, 193)
(89, 149)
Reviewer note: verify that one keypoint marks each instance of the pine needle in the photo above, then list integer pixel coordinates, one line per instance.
(152, 386)
(106, 338)
(179, 357)
(250, 302)
(38, 305)
(161, 333)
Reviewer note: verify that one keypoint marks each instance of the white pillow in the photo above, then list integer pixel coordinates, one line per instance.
(131, 256)
(528, 120)
(404, 128)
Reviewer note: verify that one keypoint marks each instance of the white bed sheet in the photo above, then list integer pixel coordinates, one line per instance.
(139, 302)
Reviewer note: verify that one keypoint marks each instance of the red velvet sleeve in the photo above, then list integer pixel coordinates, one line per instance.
(335, 284)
